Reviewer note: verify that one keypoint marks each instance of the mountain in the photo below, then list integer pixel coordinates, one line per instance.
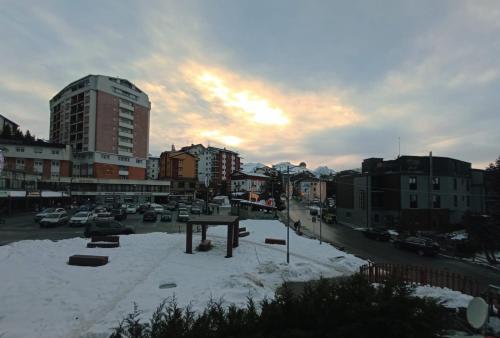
(282, 167)
(251, 167)
(323, 170)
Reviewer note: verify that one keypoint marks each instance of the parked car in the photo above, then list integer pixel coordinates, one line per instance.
(131, 209)
(54, 219)
(81, 218)
(422, 246)
(119, 214)
(166, 216)
(183, 216)
(377, 234)
(104, 228)
(150, 216)
(172, 205)
(196, 210)
(47, 211)
(157, 208)
(104, 216)
(142, 208)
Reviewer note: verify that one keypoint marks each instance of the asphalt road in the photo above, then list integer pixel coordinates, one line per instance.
(384, 252)
(23, 227)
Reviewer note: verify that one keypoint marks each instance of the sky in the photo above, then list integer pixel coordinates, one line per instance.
(324, 82)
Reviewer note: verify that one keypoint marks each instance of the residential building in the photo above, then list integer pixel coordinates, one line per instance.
(311, 189)
(214, 164)
(414, 192)
(105, 120)
(152, 168)
(6, 122)
(180, 168)
(248, 182)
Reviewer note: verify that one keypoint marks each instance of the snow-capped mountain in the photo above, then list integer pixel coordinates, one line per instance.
(251, 167)
(282, 167)
(323, 170)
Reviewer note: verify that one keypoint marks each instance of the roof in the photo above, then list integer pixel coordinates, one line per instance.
(241, 173)
(14, 123)
(37, 143)
(175, 153)
(186, 148)
(213, 220)
(221, 149)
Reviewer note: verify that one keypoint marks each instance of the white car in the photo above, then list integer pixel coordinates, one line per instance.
(104, 216)
(81, 218)
(45, 212)
(159, 209)
(131, 209)
(54, 219)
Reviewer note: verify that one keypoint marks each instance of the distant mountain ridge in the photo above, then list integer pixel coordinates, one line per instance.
(282, 167)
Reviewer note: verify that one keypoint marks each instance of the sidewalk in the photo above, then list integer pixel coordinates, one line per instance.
(479, 261)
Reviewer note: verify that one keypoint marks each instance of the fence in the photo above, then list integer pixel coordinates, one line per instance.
(378, 273)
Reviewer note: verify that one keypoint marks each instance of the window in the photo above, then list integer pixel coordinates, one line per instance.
(105, 156)
(455, 201)
(435, 183)
(413, 201)
(55, 152)
(20, 161)
(361, 199)
(125, 130)
(55, 163)
(455, 183)
(436, 201)
(124, 158)
(123, 168)
(20, 149)
(140, 161)
(38, 150)
(126, 121)
(412, 182)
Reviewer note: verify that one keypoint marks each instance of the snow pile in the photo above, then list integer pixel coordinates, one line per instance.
(450, 298)
(43, 296)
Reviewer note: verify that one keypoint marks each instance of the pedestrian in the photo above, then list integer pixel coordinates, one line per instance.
(298, 226)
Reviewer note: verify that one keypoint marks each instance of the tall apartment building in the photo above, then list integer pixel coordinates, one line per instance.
(414, 192)
(152, 168)
(215, 164)
(105, 120)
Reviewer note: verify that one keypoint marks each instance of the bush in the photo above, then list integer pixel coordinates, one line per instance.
(348, 308)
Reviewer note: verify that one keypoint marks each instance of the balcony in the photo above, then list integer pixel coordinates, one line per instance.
(125, 143)
(126, 125)
(125, 153)
(123, 134)
(125, 115)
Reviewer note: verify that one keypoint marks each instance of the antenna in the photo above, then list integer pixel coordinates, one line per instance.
(477, 312)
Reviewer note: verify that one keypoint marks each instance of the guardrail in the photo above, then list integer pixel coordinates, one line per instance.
(380, 272)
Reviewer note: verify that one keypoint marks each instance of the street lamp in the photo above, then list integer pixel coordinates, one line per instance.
(288, 214)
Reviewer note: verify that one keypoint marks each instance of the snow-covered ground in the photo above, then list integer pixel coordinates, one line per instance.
(450, 298)
(42, 296)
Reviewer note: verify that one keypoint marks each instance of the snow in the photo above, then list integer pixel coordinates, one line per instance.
(450, 298)
(249, 168)
(323, 170)
(43, 296)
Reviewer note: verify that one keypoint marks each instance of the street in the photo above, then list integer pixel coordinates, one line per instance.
(23, 227)
(384, 252)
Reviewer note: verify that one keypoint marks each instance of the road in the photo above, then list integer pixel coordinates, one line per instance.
(22, 227)
(383, 252)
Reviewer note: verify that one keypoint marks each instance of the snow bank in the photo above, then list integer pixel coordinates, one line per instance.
(43, 296)
(450, 298)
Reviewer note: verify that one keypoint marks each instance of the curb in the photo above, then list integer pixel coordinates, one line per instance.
(484, 265)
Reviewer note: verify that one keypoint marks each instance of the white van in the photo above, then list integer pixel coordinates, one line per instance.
(221, 200)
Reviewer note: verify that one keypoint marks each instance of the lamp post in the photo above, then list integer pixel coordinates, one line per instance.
(288, 214)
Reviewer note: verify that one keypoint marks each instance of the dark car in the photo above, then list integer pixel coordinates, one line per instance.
(149, 216)
(166, 216)
(377, 234)
(119, 214)
(183, 216)
(142, 208)
(422, 246)
(104, 228)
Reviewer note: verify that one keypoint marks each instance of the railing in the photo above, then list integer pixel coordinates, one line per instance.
(378, 273)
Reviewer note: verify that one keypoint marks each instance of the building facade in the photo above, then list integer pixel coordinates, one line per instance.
(152, 168)
(180, 168)
(414, 192)
(105, 120)
(248, 182)
(311, 189)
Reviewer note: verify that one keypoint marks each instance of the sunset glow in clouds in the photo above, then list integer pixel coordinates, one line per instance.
(328, 83)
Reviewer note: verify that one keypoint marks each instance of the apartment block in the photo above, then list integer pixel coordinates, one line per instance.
(105, 120)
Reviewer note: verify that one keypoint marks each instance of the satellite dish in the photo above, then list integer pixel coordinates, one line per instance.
(477, 312)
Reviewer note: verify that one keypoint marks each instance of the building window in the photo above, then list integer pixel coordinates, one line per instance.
(413, 201)
(412, 182)
(436, 201)
(140, 161)
(38, 150)
(124, 158)
(361, 199)
(435, 183)
(55, 152)
(55, 163)
(455, 201)
(455, 183)
(20, 149)
(105, 156)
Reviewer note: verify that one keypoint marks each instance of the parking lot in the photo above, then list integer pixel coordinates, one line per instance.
(23, 227)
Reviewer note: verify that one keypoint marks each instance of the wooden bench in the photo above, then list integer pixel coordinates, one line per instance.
(205, 245)
(114, 239)
(103, 244)
(275, 241)
(243, 234)
(242, 229)
(88, 260)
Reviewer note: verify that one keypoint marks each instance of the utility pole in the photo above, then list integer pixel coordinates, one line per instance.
(320, 210)
(288, 218)
(430, 189)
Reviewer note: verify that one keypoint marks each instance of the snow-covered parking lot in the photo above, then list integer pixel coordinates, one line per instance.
(42, 296)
